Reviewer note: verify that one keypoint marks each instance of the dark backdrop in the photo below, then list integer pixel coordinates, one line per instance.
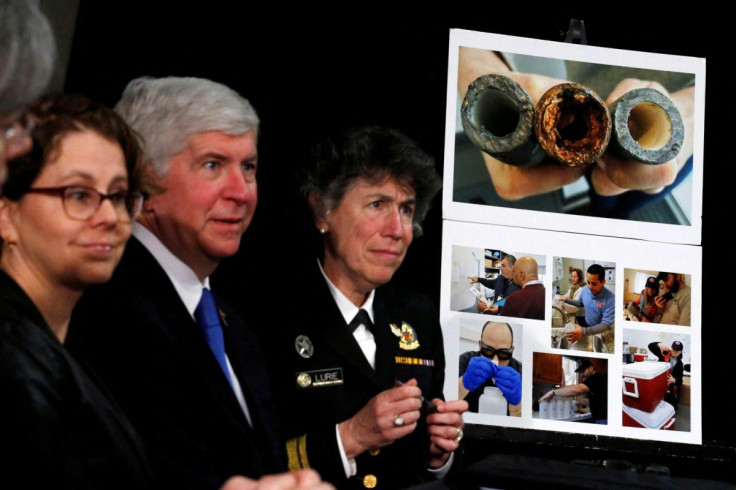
(309, 73)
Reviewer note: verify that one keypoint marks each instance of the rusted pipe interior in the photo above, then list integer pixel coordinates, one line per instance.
(650, 125)
(572, 124)
(578, 122)
(495, 112)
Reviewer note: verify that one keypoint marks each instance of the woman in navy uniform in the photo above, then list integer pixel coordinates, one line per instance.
(360, 388)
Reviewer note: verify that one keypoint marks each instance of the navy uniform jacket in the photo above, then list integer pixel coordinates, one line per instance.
(142, 341)
(315, 393)
(58, 428)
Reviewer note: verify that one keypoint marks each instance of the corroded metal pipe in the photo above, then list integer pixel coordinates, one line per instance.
(572, 124)
(497, 116)
(647, 127)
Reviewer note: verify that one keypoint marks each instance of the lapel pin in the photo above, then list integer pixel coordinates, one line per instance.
(304, 346)
(408, 339)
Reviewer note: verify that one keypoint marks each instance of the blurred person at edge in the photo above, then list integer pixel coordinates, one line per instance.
(27, 53)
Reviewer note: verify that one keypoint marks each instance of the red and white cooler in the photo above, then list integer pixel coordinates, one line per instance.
(644, 384)
(662, 417)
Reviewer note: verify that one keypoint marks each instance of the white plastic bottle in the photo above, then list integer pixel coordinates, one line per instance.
(559, 413)
(567, 408)
(544, 409)
(492, 401)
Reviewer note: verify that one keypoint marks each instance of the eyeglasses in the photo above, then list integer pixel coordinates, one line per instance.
(491, 352)
(81, 202)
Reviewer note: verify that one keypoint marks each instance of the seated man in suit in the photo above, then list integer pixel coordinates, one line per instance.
(529, 301)
(185, 369)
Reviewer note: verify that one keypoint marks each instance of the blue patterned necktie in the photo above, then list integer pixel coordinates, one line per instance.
(209, 322)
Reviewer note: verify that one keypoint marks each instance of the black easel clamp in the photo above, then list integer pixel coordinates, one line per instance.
(576, 32)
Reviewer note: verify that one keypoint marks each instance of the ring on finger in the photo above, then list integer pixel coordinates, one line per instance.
(398, 421)
(460, 435)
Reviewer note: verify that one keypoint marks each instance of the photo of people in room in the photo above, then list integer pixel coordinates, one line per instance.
(498, 282)
(570, 388)
(583, 311)
(656, 380)
(657, 297)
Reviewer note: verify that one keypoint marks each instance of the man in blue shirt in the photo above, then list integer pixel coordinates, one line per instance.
(599, 304)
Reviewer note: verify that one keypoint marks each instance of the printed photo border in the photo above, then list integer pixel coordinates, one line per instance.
(463, 211)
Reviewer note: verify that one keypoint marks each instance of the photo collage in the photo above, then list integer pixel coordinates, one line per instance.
(571, 237)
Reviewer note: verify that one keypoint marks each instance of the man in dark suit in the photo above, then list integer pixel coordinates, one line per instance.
(183, 366)
(528, 302)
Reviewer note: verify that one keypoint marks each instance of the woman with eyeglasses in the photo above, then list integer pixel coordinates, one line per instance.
(491, 365)
(65, 216)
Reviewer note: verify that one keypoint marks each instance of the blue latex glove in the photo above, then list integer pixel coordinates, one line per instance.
(478, 371)
(509, 382)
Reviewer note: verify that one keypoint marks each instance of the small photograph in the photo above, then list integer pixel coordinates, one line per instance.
(657, 297)
(655, 381)
(496, 282)
(584, 306)
(570, 388)
(490, 369)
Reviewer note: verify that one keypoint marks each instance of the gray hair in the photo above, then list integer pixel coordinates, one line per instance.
(167, 111)
(27, 54)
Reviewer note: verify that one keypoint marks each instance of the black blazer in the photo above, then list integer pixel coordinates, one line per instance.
(58, 428)
(316, 393)
(137, 334)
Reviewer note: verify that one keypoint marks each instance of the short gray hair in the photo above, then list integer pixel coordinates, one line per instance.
(27, 54)
(372, 153)
(167, 111)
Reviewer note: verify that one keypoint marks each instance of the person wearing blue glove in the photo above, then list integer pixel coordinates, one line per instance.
(492, 365)
(508, 380)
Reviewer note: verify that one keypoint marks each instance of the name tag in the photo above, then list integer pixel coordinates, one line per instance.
(321, 377)
(414, 361)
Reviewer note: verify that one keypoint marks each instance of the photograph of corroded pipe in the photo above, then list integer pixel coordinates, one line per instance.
(572, 124)
(497, 116)
(612, 186)
(647, 127)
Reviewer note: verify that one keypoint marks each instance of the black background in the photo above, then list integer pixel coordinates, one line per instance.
(309, 73)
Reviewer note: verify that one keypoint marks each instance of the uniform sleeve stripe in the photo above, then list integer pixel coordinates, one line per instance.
(296, 450)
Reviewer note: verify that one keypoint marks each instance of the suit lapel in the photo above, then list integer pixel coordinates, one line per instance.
(181, 329)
